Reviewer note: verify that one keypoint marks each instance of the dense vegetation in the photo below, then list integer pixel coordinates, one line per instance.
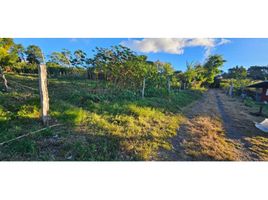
(117, 65)
(240, 78)
(117, 125)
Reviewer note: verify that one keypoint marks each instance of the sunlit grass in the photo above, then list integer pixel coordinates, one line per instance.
(259, 145)
(113, 126)
(29, 111)
(140, 130)
(143, 131)
(4, 116)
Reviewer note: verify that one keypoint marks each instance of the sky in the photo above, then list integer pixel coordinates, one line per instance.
(177, 51)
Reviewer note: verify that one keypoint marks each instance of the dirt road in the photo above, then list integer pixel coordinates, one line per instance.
(218, 127)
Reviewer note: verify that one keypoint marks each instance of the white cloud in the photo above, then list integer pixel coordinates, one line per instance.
(224, 41)
(155, 45)
(218, 42)
(173, 45)
(205, 42)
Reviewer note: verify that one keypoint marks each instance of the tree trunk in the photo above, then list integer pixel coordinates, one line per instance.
(43, 93)
(2, 76)
(143, 88)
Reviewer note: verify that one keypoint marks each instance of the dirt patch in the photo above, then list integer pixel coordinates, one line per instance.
(241, 122)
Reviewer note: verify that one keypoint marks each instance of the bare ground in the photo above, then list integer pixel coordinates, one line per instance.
(218, 127)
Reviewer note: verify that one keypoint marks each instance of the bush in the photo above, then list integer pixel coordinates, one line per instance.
(24, 67)
(126, 95)
(4, 116)
(239, 85)
(155, 92)
(249, 102)
(28, 111)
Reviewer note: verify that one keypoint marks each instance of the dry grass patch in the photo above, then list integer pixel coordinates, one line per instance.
(204, 139)
(258, 145)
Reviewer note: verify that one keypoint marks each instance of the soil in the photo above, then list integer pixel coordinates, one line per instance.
(217, 127)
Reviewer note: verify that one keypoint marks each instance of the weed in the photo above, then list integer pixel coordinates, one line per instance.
(28, 111)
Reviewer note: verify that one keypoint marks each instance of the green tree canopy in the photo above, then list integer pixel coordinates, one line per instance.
(20, 51)
(212, 67)
(7, 54)
(237, 72)
(34, 54)
(60, 58)
(258, 72)
(80, 59)
(112, 61)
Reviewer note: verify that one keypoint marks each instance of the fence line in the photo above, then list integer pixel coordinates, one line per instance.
(25, 86)
(27, 134)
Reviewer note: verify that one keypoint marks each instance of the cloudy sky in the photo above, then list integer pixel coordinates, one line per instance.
(177, 51)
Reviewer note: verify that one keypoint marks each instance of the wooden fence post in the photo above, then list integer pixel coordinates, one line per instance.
(42, 70)
(2, 76)
(143, 88)
(231, 89)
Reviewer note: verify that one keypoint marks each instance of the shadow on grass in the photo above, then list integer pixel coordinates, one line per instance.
(66, 145)
(90, 147)
(72, 105)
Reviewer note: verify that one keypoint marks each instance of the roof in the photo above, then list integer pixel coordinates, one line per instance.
(262, 84)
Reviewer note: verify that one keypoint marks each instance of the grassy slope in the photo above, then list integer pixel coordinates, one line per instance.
(108, 126)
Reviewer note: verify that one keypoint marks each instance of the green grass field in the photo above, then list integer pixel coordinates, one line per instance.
(99, 122)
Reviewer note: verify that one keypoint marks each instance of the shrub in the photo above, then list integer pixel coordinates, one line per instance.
(4, 115)
(23, 67)
(249, 102)
(28, 111)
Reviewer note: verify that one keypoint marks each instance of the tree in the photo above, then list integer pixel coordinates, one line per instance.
(212, 67)
(190, 74)
(79, 59)
(7, 57)
(60, 58)
(20, 51)
(237, 72)
(258, 72)
(111, 62)
(165, 72)
(200, 77)
(68, 56)
(141, 70)
(126, 69)
(34, 54)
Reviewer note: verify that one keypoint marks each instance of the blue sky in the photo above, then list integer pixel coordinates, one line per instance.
(237, 51)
